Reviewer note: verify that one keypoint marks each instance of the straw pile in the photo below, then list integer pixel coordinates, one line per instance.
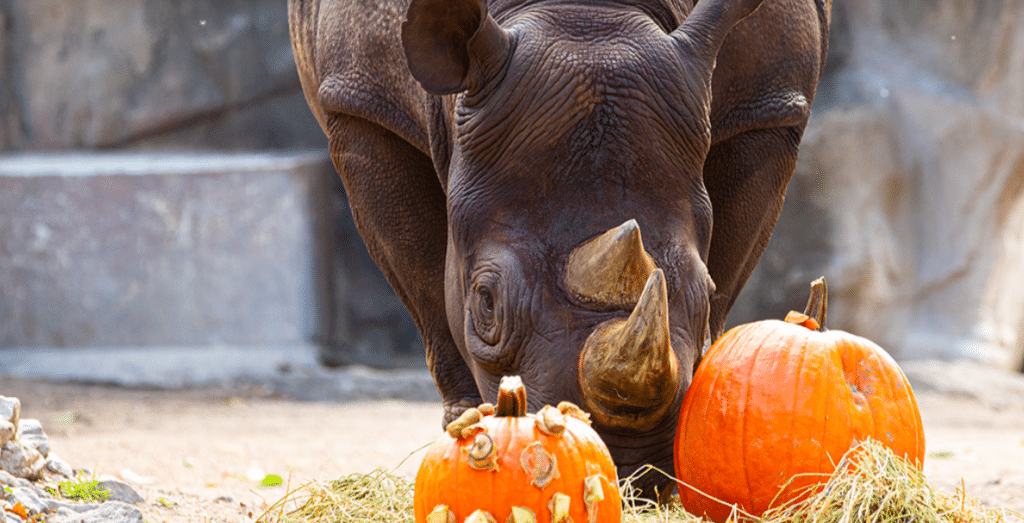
(870, 485)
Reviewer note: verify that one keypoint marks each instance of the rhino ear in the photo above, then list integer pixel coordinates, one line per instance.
(704, 30)
(453, 45)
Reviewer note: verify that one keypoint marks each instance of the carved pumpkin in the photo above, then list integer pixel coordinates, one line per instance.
(773, 399)
(499, 464)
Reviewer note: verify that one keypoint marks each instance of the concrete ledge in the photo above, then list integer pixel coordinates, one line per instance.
(161, 249)
(164, 367)
(293, 371)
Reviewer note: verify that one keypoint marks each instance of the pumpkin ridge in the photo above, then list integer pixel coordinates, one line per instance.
(836, 351)
(575, 463)
(703, 426)
(917, 458)
(744, 445)
(535, 494)
(505, 429)
(796, 397)
(857, 356)
(460, 496)
(919, 443)
(871, 408)
(892, 384)
(827, 409)
(726, 451)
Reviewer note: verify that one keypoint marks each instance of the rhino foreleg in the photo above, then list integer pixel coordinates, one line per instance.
(746, 177)
(399, 209)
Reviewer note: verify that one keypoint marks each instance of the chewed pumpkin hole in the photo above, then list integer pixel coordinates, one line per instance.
(539, 464)
(482, 455)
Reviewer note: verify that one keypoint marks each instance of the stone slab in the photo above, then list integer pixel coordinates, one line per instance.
(163, 367)
(160, 249)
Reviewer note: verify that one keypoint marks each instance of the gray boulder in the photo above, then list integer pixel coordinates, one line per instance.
(9, 480)
(7, 431)
(120, 491)
(56, 466)
(30, 434)
(29, 498)
(109, 512)
(21, 461)
(10, 411)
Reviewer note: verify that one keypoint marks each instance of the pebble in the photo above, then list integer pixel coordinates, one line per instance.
(29, 498)
(9, 480)
(120, 491)
(109, 512)
(10, 410)
(56, 505)
(30, 434)
(58, 466)
(21, 461)
(7, 431)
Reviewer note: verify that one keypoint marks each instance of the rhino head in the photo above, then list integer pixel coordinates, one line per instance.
(573, 142)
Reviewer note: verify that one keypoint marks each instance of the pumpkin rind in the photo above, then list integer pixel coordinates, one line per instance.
(773, 399)
(447, 476)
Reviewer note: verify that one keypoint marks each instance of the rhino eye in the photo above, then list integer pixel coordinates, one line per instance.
(487, 301)
(485, 315)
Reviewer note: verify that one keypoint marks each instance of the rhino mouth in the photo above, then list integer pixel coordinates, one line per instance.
(646, 462)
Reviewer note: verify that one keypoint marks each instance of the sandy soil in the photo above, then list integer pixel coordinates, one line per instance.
(198, 455)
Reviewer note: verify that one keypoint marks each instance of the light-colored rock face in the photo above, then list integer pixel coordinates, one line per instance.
(915, 160)
(21, 461)
(123, 73)
(10, 410)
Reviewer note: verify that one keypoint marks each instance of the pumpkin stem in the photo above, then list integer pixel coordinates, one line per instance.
(817, 304)
(511, 398)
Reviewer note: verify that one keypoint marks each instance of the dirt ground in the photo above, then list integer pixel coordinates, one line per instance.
(199, 455)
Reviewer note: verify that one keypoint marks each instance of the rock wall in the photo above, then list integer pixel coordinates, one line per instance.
(114, 74)
(909, 194)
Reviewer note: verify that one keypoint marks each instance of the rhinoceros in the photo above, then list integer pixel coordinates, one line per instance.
(572, 191)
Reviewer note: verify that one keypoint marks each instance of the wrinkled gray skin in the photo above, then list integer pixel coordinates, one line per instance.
(480, 145)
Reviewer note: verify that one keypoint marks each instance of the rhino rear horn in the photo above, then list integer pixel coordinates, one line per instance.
(453, 45)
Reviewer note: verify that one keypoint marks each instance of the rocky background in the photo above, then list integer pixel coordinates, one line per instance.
(114, 74)
(909, 195)
(186, 75)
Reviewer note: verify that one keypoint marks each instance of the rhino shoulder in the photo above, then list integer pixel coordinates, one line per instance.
(350, 61)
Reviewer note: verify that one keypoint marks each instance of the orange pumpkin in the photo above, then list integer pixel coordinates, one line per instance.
(774, 399)
(499, 464)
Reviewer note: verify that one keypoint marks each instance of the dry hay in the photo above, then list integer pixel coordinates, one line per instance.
(377, 497)
(869, 485)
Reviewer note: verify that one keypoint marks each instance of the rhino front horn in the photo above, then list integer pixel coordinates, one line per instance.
(628, 371)
(611, 269)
